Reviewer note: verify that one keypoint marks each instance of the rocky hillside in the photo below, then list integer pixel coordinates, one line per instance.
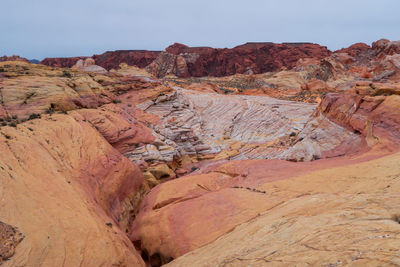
(184, 61)
(108, 60)
(118, 167)
(250, 58)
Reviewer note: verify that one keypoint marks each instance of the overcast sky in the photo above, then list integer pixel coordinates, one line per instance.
(54, 28)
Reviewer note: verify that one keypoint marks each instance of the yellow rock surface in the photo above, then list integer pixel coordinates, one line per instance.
(337, 216)
(32, 88)
(65, 188)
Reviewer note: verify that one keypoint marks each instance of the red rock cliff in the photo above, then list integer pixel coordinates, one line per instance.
(247, 58)
(111, 60)
(108, 60)
(61, 62)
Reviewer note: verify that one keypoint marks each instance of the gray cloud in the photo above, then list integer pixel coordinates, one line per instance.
(49, 28)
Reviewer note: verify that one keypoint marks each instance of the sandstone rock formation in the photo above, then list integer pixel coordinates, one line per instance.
(126, 70)
(295, 166)
(45, 89)
(112, 59)
(108, 60)
(337, 216)
(184, 61)
(10, 237)
(13, 58)
(250, 58)
(61, 62)
(88, 65)
(64, 187)
(370, 109)
(237, 127)
(82, 188)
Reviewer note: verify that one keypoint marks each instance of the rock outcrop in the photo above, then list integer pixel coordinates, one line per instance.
(334, 217)
(26, 90)
(298, 166)
(61, 62)
(10, 237)
(112, 59)
(250, 58)
(108, 60)
(371, 109)
(63, 187)
(184, 61)
(13, 58)
(88, 65)
(209, 125)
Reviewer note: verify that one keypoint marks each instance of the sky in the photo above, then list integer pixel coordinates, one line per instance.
(53, 28)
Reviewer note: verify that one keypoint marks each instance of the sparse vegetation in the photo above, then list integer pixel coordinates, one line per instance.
(396, 217)
(34, 116)
(250, 189)
(194, 169)
(67, 74)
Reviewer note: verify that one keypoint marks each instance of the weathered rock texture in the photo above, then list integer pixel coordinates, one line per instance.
(217, 178)
(371, 109)
(250, 58)
(88, 65)
(27, 89)
(67, 190)
(61, 62)
(337, 216)
(239, 127)
(10, 237)
(76, 193)
(184, 61)
(13, 58)
(112, 59)
(108, 60)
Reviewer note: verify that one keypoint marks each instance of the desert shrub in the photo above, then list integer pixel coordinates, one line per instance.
(396, 217)
(67, 74)
(34, 116)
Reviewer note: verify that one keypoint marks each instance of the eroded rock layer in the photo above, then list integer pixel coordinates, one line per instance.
(64, 186)
(250, 58)
(337, 216)
(119, 168)
(239, 127)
